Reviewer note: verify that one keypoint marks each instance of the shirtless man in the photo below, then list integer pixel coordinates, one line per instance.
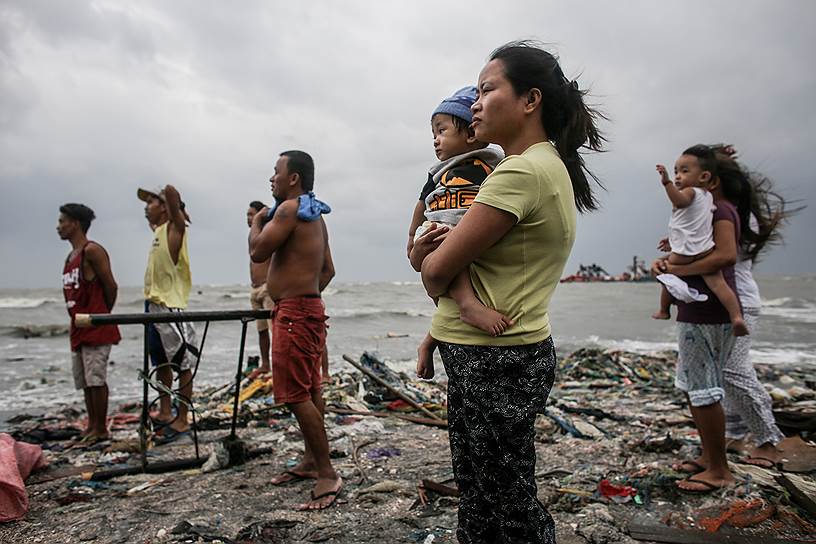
(259, 295)
(297, 241)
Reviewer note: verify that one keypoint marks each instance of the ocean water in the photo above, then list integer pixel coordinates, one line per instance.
(388, 317)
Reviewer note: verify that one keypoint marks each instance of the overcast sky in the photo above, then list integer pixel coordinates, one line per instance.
(98, 98)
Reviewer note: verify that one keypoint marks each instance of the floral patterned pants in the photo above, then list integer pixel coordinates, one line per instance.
(494, 395)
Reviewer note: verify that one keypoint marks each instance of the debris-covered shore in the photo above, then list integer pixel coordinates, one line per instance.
(614, 426)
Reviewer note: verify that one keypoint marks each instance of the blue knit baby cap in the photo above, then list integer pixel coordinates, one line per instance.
(459, 104)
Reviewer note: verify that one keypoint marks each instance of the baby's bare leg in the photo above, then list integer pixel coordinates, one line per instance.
(665, 297)
(665, 305)
(425, 362)
(472, 311)
(728, 298)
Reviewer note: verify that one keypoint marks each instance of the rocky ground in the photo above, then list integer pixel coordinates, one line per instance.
(605, 447)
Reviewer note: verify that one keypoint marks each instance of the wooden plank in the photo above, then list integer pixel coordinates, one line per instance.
(643, 528)
(57, 473)
(391, 388)
(441, 489)
(441, 423)
(802, 491)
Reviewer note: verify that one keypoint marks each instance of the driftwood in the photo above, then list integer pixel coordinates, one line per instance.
(441, 423)
(802, 491)
(391, 388)
(642, 528)
(440, 489)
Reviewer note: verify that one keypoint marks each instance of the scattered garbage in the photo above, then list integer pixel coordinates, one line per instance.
(613, 427)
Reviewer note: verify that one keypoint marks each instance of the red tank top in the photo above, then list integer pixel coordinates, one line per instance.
(85, 297)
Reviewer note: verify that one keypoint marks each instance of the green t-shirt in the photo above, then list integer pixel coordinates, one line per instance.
(517, 276)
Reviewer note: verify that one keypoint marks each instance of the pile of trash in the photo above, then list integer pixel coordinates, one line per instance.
(613, 427)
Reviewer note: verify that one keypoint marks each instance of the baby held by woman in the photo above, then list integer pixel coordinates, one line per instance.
(691, 232)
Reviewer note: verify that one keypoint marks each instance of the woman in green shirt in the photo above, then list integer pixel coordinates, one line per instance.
(515, 240)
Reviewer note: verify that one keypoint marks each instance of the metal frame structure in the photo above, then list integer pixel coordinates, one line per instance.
(146, 319)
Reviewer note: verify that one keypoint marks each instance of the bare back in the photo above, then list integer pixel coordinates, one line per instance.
(295, 267)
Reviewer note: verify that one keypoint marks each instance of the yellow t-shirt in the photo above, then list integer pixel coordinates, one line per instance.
(164, 282)
(517, 276)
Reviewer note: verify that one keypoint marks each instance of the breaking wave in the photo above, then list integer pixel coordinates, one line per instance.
(23, 302)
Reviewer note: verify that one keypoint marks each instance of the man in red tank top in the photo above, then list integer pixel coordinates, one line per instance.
(89, 288)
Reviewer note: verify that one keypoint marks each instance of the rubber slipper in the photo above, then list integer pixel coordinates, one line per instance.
(709, 487)
(169, 435)
(289, 476)
(773, 464)
(698, 468)
(306, 507)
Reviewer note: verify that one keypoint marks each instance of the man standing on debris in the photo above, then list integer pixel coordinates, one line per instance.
(167, 286)
(259, 295)
(297, 241)
(88, 287)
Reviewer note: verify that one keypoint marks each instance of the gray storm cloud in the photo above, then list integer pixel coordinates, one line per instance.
(101, 97)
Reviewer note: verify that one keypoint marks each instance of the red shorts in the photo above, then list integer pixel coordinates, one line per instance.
(298, 341)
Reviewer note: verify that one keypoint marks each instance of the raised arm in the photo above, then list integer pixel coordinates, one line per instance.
(177, 224)
(723, 255)
(264, 240)
(174, 212)
(327, 272)
(680, 198)
(98, 259)
(480, 228)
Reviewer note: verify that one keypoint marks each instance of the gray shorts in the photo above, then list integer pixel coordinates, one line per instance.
(176, 342)
(702, 353)
(90, 366)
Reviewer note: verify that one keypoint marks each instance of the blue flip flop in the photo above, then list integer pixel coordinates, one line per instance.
(168, 435)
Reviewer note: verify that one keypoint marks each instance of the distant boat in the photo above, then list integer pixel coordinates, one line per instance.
(636, 272)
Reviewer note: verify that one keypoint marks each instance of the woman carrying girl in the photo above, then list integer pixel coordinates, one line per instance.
(731, 377)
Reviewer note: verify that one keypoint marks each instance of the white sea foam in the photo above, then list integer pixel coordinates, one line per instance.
(770, 353)
(803, 315)
(765, 352)
(771, 303)
(22, 302)
(638, 346)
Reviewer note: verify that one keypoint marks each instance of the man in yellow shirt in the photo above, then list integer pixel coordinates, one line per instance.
(167, 289)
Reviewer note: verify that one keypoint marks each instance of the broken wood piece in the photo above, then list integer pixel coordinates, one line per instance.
(797, 455)
(802, 491)
(441, 423)
(441, 489)
(645, 528)
(390, 387)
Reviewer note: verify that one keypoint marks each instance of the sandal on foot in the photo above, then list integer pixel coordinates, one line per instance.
(709, 487)
(169, 434)
(770, 466)
(289, 476)
(697, 467)
(313, 505)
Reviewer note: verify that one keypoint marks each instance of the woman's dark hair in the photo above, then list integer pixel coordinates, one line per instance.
(753, 194)
(257, 205)
(301, 163)
(568, 121)
(79, 212)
